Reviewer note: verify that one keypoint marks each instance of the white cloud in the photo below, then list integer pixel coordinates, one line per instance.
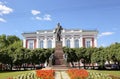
(35, 12)
(4, 9)
(2, 20)
(106, 34)
(47, 17)
(38, 18)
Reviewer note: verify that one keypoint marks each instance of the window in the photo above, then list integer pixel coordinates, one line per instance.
(87, 44)
(41, 44)
(68, 43)
(49, 44)
(31, 45)
(76, 43)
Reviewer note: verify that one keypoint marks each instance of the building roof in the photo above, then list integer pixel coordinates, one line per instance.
(52, 31)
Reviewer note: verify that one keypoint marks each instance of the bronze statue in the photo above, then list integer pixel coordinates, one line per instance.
(58, 30)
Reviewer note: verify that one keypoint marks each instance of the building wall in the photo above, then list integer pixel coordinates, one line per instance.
(70, 38)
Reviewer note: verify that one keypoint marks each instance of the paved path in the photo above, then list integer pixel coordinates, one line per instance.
(57, 75)
(61, 75)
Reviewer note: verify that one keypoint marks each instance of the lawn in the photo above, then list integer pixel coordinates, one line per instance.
(111, 72)
(5, 75)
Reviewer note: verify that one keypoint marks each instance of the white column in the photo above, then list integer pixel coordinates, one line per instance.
(95, 41)
(63, 41)
(45, 42)
(72, 42)
(37, 42)
(24, 43)
(81, 42)
(53, 42)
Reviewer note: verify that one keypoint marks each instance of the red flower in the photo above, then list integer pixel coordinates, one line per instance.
(45, 74)
(78, 73)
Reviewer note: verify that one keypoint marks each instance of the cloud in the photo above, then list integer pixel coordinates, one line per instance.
(106, 34)
(2, 20)
(47, 17)
(38, 18)
(4, 9)
(35, 12)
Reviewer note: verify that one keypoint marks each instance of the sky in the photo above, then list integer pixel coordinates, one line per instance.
(18, 16)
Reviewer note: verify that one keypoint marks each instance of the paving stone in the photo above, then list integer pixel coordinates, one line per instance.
(63, 74)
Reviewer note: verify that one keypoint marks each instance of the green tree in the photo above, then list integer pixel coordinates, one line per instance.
(5, 59)
(8, 45)
(99, 57)
(88, 54)
(5, 41)
(12, 38)
(72, 57)
(80, 54)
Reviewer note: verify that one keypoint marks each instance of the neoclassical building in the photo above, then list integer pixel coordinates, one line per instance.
(72, 38)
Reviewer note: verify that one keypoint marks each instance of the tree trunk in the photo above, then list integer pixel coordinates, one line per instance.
(119, 64)
(72, 64)
(93, 67)
(24, 66)
(108, 62)
(0, 66)
(79, 64)
(11, 66)
(33, 65)
(84, 64)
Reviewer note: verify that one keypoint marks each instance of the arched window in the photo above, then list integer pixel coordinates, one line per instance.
(31, 44)
(49, 42)
(68, 43)
(76, 43)
(87, 44)
(41, 44)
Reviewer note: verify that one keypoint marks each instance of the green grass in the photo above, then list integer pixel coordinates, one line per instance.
(5, 75)
(110, 72)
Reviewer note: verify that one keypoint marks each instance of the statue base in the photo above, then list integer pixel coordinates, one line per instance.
(58, 54)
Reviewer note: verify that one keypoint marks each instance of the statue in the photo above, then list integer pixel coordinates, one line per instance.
(58, 31)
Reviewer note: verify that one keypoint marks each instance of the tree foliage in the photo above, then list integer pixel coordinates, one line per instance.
(13, 53)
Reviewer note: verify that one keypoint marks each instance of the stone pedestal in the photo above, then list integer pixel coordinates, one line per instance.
(58, 54)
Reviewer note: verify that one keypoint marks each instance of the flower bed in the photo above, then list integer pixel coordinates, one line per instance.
(38, 74)
(45, 74)
(78, 73)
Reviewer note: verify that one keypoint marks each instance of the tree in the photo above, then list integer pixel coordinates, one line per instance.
(5, 58)
(5, 41)
(80, 54)
(99, 57)
(21, 57)
(114, 53)
(72, 57)
(8, 45)
(47, 54)
(12, 38)
(88, 54)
